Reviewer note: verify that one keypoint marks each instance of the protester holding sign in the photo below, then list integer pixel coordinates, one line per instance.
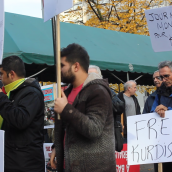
(86, 127)
(163, 100)
(22, 118)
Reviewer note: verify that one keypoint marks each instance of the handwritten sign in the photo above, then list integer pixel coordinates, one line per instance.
(1, 150)
(55, 7)
(47, 153)
(149, 138)
(160, 28)
(1, 29)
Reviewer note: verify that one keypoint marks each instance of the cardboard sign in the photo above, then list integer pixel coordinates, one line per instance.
(47, 153)
(160, 28)
(149, 138)
(55, 7)
(2, 150)
(1, 29)
(121, 162)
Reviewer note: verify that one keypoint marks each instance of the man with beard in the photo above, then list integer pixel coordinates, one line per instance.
(163, 99)
(149, 102)
(84, 137)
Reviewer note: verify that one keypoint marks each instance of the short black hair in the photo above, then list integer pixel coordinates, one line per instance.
(14, 63)
(76, 53)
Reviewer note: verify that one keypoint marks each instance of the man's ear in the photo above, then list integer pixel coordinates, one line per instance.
(12, 74)
(76, 67)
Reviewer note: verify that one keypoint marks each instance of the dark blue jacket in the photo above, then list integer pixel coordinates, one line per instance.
(149, 103)
(164, 97)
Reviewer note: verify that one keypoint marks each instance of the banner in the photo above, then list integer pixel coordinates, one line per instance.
(121, 162)
(149, 138)
(159, 22)
(47, 153)
(1, 151)
(1, 29)
(55, 7)
(49, 116)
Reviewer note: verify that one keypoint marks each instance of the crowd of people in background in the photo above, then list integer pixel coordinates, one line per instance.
(85, 133)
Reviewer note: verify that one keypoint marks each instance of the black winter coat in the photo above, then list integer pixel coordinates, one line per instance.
(137, 106)
(89, 123)
(23, 123)
(149, 103)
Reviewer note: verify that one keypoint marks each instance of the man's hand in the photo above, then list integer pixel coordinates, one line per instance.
(60, 103)
(161, 110)
(1, 90)
(52, 159)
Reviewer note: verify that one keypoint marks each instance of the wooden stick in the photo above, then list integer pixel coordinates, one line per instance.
(160, 167)
(58, 59)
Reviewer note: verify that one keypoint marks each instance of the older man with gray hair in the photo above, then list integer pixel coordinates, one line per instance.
(132, 106)
(163, 99)
(150, 100)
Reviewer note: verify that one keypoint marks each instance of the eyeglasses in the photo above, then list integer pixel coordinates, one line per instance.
(164, 76)
(158, 77)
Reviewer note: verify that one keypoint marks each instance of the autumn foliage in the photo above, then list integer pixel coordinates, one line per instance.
(120, 15)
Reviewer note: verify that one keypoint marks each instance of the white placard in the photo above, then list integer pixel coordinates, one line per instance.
(1, 29)
(47, 153)
(149, 138)
(160, 28)
(55, 7)
(2, 150)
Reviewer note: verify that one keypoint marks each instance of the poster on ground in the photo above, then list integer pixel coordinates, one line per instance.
(49, 92)
(159, 22)
(55, 7)
(149, 138)
(2, 151)
(2, 14)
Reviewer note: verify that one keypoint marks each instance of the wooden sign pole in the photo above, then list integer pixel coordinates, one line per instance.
(160, 167)
(58, 58)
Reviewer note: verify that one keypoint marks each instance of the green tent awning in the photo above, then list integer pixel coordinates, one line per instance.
(31, 39)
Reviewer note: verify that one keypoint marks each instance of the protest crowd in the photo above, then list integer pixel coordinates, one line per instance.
(80, 123)
(87, 133)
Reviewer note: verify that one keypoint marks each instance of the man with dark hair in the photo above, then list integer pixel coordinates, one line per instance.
(86, 127)
(149, 102)
(22, 118)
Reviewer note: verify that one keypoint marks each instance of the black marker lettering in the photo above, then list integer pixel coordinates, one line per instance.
(157, 151)
(133, 152)
(162, 120)
(149, 151)
(152, 17)
(142, 154)
(138, 129)
(165, 15)
(169, 150)
(149, 126)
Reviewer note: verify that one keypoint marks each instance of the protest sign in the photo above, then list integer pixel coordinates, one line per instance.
(159, 22)
(49, 92)
(1, 29)
(47, 153)
(149, 138)
(121, 162)
(1, 150)
(55, 7)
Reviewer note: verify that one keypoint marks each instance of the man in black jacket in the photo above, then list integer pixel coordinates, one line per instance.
(132, 106)
(22, 118)
(149, 102)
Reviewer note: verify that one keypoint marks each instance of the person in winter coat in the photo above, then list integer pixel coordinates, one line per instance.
(86, 127)
(149, 102)
(163, 99)
(131, 103)
(22, 118)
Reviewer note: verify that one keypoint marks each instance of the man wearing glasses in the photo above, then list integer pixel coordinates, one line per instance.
(163, 99)
(149, 102)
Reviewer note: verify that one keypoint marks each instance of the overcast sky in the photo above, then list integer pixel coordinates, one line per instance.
(25, 7)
